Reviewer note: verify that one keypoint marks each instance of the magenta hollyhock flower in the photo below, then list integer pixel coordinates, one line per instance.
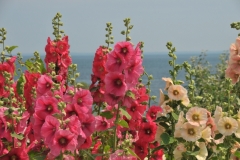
(46, 106)
(63, 140)
(142, 95)
(137, 51)
(87, 143)
(133, 71)
(74, 125)
(119, 155)
(65, 60)
(136, 110)
(152, 112)
(100, 55)
(115, 84)
(99, 70)
(73, 109)
(49, 128)
(115, 62)
(127, 101)
(88, 124)
(22, 125)
(37, 125)
(44, 85)
(83, 98)
(147, 131)
(112, 99)
(141, 149)
(62, 46)
(101, 123)
(125, 49)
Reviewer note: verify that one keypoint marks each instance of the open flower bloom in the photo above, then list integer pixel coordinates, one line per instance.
(190, 132)
(176, 92)
(178, 151)
(179, 124)
(217, 114)
(168, 81)
(206, 134)
(185, 100)
(203, 153)
(197, 116)
(227, 126)
(162, 97)
(160, 130)
(237, 133)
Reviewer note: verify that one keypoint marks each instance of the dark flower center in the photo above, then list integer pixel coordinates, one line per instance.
(13, 157)
(79, 101)
(118, 82)
(148, 131)
(48, 85)
(118, 61)
(195, 117)
(175, 92)
(104, 123)
(228, 126)
(124, 50)
(133, 108)
(153, 115)
(191, 131)
(63, 141)
(49, 108)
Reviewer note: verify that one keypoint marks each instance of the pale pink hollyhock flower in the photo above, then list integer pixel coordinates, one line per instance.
(46, 106)
(233, 50)
(237, 133)
(185, 100)
(217, 114)
(206, 134)
(125, 49)
(176, 92)
(179, 125)
(190, 132)
(44, 85)
(166, 108)
(49, 128)
(161, 98)
(238, 43)
(63, 140)
(168, 81)
(101, 123)
(115, 84)
(230, 73)
(178, 151)
(227, 126)
(160, 130)
(115, 62)
(197, 116)
(120, 155)
(203, 152)
(83, 98)
(211, 123)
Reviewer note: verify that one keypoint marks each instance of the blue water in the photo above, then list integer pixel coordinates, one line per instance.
(155, 64)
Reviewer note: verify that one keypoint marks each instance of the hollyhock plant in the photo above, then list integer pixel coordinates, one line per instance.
(116, 84)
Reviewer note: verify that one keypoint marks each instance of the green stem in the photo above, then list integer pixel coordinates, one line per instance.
(115, 128)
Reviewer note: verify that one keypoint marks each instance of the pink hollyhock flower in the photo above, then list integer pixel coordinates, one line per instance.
(157, 155)
(88, 124)
(46, 106)
(98, 95)
(99, 70)
(152, 112)
(115, 84)
(73, 109)
(115, 62)
(62, 46)
(147, 131)
(44, 85)
(130, 97)
(100, 55)
(142, 95)
(67, 97)
(16, 154)
(230, 73)
(83, 98)
(4, 131)
(112, 99)
(49, 128)
(101, 123)
(87, 143)
(37, 125)
(74, 125)
(138, 52)
(22, 125)
(133, 72)
(63, 140)
(136, 110)
(65, 60)
(125, 49)
(141, 149)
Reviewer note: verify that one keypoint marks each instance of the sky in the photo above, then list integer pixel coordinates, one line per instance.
(190, 25)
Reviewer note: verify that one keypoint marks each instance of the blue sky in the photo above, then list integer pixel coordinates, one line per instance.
(191, 25)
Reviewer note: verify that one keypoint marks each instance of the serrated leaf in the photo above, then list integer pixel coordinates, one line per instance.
(21, 81)
(237, 154)
(29, 65)
(125, 113)
(123, 123)
(18, 136)
(10, 49)
(175, 116)
(165, 138)
(106, 114)
(132, 153)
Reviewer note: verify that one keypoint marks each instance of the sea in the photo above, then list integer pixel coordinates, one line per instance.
(155, 64)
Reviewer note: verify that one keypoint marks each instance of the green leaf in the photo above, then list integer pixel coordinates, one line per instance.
(125, 113)
(218, 136)
(175, 116)
(123, 123)
(237, 154)
(29, 65)
(130, 94)
(10, 49)
(18, 136)
(132, 153)
(106, 114)
(106, 148)
(164, 124)
(36, 155)
(42, 68)
(165, 138)
(20, 83)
